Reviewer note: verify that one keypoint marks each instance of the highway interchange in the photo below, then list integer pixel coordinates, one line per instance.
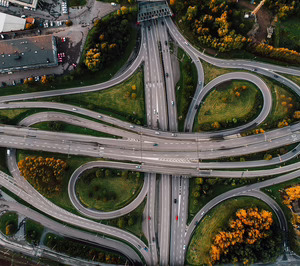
(166, 165)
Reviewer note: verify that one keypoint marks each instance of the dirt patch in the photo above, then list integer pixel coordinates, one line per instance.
(264, 19)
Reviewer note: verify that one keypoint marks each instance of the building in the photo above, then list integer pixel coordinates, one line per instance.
(11, 23)
(27, 4)
(26, 53)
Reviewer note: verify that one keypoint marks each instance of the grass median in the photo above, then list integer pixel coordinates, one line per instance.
(9, 223)
(274, 192)
(33, 232)
(217, 219)
(185, 87)
(108, 189)
(230, 104)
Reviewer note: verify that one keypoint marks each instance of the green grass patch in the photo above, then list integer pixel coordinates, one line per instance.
(108, 189)
(185, 87)
(222, 105)
(74, 3)
(120, 101)
(274, 192)
(64, 127)
(33, 232)
(211, 72)
(9, 219)
(85, 250)
(61, 198)
(3, 165)
(215, 221)
(280, 94)
(289, 33)
(131, 222)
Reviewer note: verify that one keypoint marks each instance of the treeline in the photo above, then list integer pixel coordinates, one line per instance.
(250, 237)
(78, 249)
(45, 174)
(108, 39)
(211, 23)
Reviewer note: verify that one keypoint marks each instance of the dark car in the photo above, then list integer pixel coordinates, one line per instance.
(167, 74)
(275, 76)
(196, 106)
(166, 43)
(175, 200)
(162, 23)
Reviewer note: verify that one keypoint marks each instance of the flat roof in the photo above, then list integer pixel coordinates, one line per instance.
(11, 23)
(31, 52)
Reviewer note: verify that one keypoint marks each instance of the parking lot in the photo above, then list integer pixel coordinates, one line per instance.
(75, 35)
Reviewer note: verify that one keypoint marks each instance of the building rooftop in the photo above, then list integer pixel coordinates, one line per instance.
(17, 54)
(11, 23)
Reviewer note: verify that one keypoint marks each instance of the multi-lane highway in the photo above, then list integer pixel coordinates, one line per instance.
(166, 156)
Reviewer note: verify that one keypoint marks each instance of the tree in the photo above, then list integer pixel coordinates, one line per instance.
(44, 79)
(69, 23)
(121, 222)
(130, 221)
(99, 173)
(133, 96)
(10, 229)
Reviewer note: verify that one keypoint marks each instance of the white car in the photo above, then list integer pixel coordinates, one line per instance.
(131, 126)
(113, 4)
(156, 133)
(172, 102)
(74, 109)
(100, 116)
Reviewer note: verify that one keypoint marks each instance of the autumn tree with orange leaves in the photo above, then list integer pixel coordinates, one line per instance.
(248, 229)
(45, 174)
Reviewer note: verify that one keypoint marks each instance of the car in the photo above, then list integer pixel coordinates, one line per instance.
(8, 152)
(154, 111)
(138, 167)
(23, 16)
(183, 246)
(196, 106)
(186, 43)
(166, 43)
(172, 102)
(9, 73)
(176, 217)
(255, 69)
(132, 126)
(113, 4)
(196, 222)
(74, 109)
(275, 76)
(167, 75)
(26, 7)
(155, 144)
(13, 83)
(100, 116)
(200, 82)
(162, 23)
(149, 218)
(156, 133)
(37, 78)
(146, 249)
(148, 27)
(173, 135)
(51, 24)
(2, 36)
(153, 239)
(175, 200)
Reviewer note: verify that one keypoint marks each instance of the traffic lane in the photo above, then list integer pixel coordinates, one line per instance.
(67, 231)
(94, 214)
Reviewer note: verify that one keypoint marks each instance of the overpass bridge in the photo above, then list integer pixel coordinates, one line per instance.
(153, 10)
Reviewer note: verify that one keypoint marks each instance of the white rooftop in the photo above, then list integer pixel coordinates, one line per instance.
(11, 23)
